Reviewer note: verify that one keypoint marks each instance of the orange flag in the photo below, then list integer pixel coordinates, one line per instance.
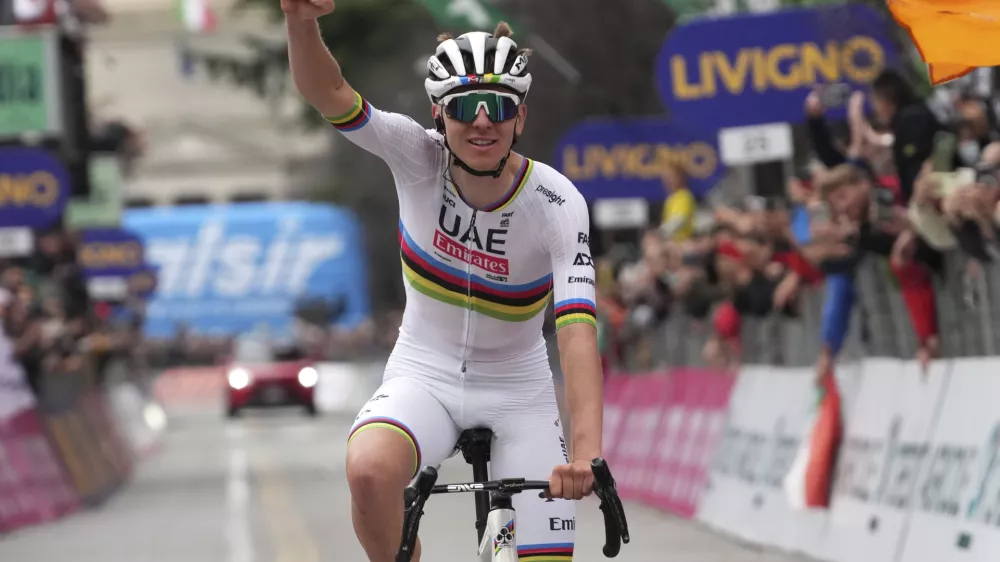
(953, 36)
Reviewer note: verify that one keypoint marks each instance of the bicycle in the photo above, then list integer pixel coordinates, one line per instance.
(494, 511)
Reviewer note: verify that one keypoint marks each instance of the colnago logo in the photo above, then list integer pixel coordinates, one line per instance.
(479, 259)
(214, 264)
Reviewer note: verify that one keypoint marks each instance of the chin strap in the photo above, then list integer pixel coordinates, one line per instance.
(494, 173)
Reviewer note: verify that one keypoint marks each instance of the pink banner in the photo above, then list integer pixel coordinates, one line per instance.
(96, 409)
(646, 396)
(660, 432)
(687, 438)
(614, 411)
(33, 488)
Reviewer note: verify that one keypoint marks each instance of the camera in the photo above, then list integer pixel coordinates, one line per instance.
(986, 175)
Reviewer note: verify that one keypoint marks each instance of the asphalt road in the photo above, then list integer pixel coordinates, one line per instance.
(270, 488)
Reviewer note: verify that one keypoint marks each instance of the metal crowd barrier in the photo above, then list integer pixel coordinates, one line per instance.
(880, 324)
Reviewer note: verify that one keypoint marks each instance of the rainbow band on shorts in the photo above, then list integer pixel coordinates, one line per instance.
(394, 425)
(546, 552)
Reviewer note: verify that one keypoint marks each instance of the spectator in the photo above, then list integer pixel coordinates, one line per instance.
(677, 221)
(911, 122)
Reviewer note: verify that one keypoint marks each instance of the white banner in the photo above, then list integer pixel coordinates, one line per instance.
(887, 429)
(768, 414)
(15, 395)
(956, 507)
(918, 476)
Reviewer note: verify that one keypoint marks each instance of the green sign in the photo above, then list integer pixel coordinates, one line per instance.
(466, 15)
(29, 83)
(689, 9)
(104, 206)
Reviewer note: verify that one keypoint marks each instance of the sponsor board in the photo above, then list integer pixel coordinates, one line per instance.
(225, 269)
(751, 69)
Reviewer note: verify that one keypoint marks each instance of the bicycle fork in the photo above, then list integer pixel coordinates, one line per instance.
(499, 542)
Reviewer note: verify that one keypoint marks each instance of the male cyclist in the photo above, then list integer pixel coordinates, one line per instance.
(486, 237)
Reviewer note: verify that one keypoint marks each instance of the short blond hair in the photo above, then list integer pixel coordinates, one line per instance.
(840, 176)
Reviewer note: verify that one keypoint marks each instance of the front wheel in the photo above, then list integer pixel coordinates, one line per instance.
(311, 410)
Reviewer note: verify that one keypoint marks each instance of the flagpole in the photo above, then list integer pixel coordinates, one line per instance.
(553, 57)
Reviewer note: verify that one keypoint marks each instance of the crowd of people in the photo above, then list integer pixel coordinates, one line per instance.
(902, 179)
(50, 325)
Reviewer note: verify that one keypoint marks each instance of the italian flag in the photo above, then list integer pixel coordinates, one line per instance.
(809, 481)
(197, 15)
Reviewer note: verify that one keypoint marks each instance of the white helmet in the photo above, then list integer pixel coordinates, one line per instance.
(475, 58)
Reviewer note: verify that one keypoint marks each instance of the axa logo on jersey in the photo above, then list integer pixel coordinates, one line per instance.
(217, 263)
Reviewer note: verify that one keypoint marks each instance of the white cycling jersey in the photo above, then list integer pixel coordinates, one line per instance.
(470, 351)
(478, 281)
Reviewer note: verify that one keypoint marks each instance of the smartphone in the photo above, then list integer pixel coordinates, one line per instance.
(835, 95)
(986, 176)
(884, 200)
(945, 145)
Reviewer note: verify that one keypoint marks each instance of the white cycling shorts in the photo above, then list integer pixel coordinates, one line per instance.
(528, 441)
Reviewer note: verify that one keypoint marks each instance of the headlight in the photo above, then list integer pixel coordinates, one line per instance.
(239, 378)
(308, 377)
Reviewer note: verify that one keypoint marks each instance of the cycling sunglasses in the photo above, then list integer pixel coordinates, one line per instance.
(465, 106)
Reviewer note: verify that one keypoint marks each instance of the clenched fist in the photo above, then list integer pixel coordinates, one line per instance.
(307, 9)
(571, 481)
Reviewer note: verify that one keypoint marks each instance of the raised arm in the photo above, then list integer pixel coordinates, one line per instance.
(315, 72)
(411, 153)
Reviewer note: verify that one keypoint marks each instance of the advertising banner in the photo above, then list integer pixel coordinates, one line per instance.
(876, 481)
(751, 69)
(956, 501)
(612, 159)
(110, 258)
(226, 269)
(648, 397)
(689, 432)
(769, 415)
(110, 252)
(34, 188)
(615, 407)
(29, 90)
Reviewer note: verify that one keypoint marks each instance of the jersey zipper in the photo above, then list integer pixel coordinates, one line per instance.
(468, 293)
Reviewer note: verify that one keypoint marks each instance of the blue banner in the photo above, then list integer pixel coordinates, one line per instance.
(110, 252)
(751, 69)
(143, 281)
(34, 188)
(608, 159)
(224, 269)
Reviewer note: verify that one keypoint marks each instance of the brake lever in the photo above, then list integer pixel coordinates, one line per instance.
(615, 523)
(414, 497)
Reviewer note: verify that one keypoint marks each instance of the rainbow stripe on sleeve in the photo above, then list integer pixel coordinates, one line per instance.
(355, 118)
(575, 310)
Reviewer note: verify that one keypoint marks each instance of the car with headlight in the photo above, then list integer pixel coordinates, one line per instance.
(263, 375)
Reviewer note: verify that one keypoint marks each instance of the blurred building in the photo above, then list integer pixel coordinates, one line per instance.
(206, 140)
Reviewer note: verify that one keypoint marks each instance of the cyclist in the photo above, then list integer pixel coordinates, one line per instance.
(487, 236)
